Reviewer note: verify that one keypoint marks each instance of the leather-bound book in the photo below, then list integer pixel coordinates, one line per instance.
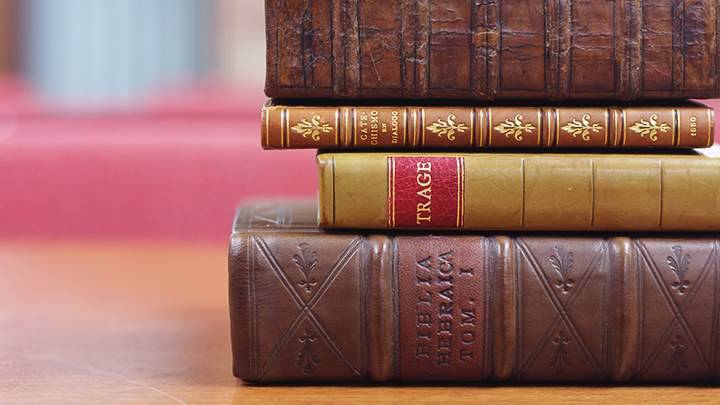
(485, 50)
(521, 191)
(679, 125)
(312, 306)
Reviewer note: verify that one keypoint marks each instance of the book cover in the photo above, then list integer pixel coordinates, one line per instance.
(679, 125)
(312, 306)
(486, 50)
(521, 191)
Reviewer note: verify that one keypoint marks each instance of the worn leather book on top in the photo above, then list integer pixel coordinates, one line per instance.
(679, 125)
(521, 191)
(486, 50)
(312, 306)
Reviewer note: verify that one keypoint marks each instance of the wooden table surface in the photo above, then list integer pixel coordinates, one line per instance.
(91, 322)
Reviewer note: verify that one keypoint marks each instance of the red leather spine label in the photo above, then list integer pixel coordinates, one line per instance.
(443, 311)
(425, 192)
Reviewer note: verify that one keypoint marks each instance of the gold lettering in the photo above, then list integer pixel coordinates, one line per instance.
(421, 218)
(423, 209)
(363, 126)
(424, 166)
(423, 180)
(374, 127)
(693, 126)
(395, 125)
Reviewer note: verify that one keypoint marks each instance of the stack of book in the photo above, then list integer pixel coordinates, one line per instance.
(574, 239)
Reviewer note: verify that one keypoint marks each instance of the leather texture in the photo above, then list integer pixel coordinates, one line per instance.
(679, 125)
(524, 191)
(312, 306)
(486, 50)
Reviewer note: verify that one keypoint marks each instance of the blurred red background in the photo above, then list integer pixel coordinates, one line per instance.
(113, 126)
(165, 146)
(173, 169)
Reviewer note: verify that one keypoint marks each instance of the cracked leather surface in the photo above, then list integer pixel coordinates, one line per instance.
(492, 49)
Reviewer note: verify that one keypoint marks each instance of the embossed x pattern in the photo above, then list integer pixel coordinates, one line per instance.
(678, 310)
(305, 307)
(562, 310)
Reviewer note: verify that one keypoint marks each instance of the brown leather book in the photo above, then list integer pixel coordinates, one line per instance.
(311, 306)
(485, 50)
(521, 191)
(684, 125)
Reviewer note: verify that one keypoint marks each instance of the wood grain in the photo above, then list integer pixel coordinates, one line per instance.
(147, 323)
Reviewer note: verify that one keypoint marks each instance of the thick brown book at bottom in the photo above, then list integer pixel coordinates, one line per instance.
(678, 125)
(310, 306)
(521, 191)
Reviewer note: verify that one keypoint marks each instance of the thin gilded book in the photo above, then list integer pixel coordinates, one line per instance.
(678, 125)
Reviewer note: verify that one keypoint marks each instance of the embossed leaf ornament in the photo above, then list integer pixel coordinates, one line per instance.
(650, 127)
(562, 263)
(305, 357)
(560, 358)
(679, 265)
(582, 128)
(312, 128)
(678, 358)
(447, 128)
(306, 262)
(515, 128)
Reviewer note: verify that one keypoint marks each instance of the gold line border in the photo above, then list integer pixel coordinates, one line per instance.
(607, 127)
(415, 126)
(556, 141)
(624, 127)
(481, 126)
(539, 127)
(347, 126)
(490, 127)
(460, 219)
(711, 125)
(338, 113)
(472, 128)
(422, 125)
(267, 127)
(283, 124)
(391, 191)
(405, 126)
(676, 126)
(355, 125)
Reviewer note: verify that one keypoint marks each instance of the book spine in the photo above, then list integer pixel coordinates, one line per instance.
(308, 306)
(486, 127)
(546, 192)
(556, 49)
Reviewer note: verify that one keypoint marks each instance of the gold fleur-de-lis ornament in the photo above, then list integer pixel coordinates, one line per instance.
(447, 127)
(515, 128)
(312, 127)
(582, 128)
